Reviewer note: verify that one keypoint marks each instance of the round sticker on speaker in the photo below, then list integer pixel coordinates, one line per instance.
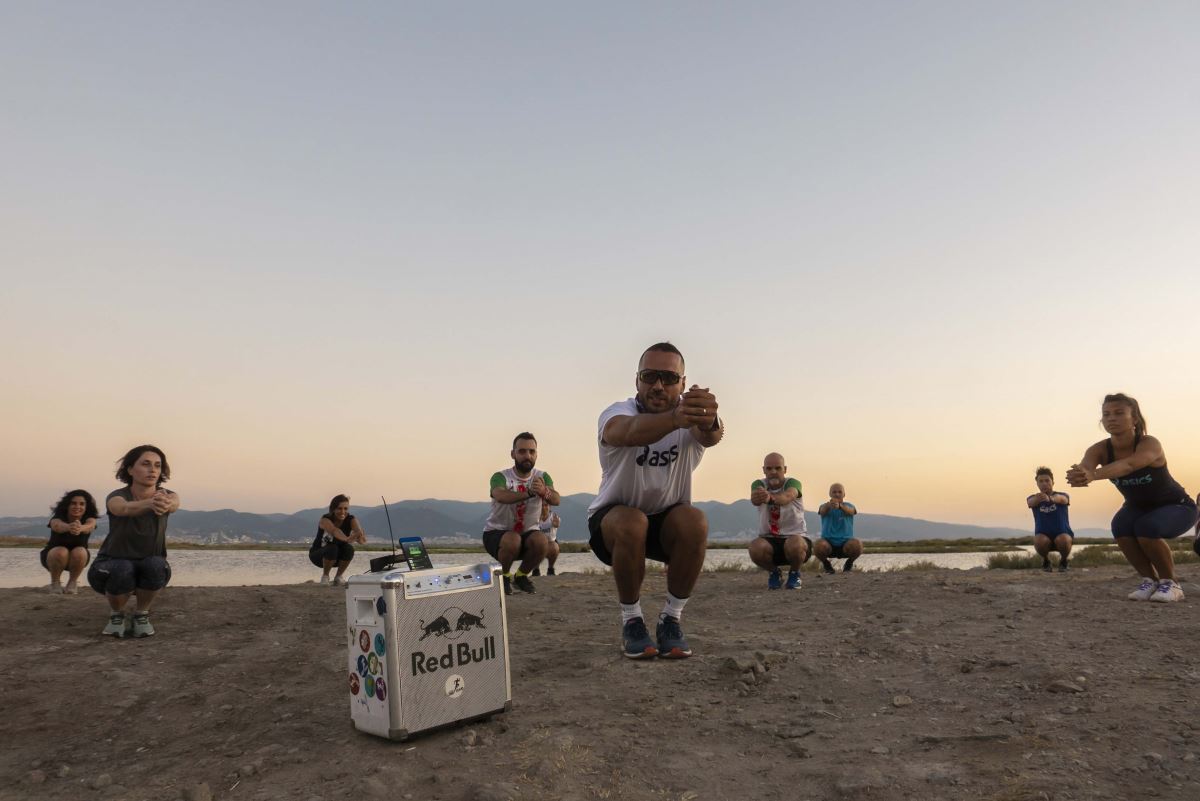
(455, 686)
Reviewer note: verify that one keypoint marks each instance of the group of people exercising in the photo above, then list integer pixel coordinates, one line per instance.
(649, 445)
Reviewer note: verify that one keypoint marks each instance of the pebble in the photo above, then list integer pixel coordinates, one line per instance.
(103, 780)
(738, 665)
(374, 788)
(500, 791)
(63, 771)
(936, 776)
(1152, 756)
(796, 749)
(246, 770)
(37, 777)
(198, 792)
(1063, 686)
(881, 750)
(902, 700)
(470, 738)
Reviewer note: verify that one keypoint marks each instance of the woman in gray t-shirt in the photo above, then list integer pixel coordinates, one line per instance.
(133, 558)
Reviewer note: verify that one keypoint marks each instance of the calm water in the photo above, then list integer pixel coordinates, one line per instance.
(19, 567)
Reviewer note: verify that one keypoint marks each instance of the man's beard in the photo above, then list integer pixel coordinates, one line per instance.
(523, 466)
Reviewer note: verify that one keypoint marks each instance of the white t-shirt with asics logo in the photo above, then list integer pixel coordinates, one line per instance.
(646, 477)
(523, 516)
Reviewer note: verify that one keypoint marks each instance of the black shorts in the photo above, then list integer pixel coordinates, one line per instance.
(46, 550)
(837, 551)
(1053, 537)
(491, 542)
(778, 557)
(336, 551)
(654, 548)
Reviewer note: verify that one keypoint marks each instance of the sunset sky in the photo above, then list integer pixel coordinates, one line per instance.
(310, 248)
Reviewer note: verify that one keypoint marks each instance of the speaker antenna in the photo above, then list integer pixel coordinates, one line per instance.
(391, 536)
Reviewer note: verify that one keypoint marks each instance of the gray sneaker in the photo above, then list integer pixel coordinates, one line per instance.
(116, 625)
(636, 642)
(671, 642)
(141, 625)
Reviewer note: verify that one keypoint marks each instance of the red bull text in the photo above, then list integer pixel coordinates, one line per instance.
(456, 655)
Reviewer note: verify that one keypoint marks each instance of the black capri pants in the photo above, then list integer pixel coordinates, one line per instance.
(112, 576)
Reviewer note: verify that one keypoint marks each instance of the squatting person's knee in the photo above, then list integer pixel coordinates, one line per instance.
(627, 526)
(760, 552)
(536, 545)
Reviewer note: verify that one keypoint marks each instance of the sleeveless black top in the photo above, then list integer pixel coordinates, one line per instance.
(324, 538)
(1149, 487)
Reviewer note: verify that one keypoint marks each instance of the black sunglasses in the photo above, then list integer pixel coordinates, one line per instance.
(667, 378)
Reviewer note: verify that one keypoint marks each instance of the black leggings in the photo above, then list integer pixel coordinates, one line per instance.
(1162, 522)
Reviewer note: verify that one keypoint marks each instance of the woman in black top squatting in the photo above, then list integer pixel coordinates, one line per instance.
(72, 522)
(132, 560)
(1156, 507)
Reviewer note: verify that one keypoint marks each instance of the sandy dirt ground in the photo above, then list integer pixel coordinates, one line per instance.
(1000, 685)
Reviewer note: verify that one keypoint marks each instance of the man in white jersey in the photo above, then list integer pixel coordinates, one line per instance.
(781, 528)
(511, 531)
(550, 523)
(649, 446)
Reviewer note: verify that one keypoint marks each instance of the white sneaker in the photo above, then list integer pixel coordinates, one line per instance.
(54, 588)
(337, 582)
(325, 579)
(1144, 590)
(1167, 592)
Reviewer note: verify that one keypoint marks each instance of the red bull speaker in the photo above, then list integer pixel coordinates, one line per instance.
(427, 648)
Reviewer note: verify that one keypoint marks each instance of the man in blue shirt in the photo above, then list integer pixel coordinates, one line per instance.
(1051, 528)
(837, 531)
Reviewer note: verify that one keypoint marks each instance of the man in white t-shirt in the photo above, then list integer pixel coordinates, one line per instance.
(550, 523)
(781, 536)
(512, 529)
(649, 446)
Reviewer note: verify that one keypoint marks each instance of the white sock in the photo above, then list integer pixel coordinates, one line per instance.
(631, 611)
(674, 607)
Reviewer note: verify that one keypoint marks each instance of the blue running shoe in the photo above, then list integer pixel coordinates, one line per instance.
(671, 644)
(636, 638)
(793, 582)
(775, 581)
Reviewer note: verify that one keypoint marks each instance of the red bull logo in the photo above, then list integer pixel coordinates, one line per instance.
(456, 655)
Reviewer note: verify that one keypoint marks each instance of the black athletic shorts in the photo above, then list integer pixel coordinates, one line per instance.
(491, 542)
(778, 557)
(46, 551)
(654, 548)
(1053, 537)
(335, 551)
(837, 551)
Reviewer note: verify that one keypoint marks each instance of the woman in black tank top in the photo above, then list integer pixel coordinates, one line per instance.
(1157, 508)
(334, 544)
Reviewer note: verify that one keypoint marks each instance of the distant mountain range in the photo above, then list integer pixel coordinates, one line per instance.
(448, 522)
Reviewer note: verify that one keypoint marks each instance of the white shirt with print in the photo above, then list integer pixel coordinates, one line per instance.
(646, 477)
